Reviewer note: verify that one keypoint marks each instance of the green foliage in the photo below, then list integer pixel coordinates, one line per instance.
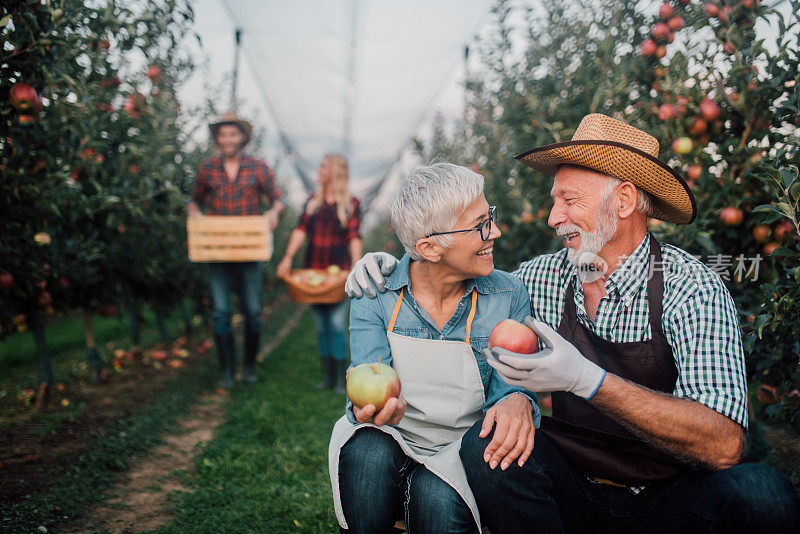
(543, 69)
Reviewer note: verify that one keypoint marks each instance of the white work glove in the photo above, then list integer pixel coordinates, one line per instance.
(373, 265)
(558, 367)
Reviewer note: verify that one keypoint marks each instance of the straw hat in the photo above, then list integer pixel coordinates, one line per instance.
(230, 117)
(612, 147)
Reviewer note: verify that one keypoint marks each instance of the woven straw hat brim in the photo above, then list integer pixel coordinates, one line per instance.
(672, 198)
(244, 125)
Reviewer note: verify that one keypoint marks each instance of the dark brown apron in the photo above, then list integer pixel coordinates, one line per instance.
(590, 440)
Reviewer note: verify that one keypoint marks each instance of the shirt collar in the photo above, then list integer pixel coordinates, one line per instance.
(629, 277)
(401, 276)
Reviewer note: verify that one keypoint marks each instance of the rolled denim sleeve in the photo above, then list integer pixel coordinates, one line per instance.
(368, 341)
(498, 389)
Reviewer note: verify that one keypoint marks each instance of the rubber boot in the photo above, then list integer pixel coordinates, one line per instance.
(328, 377)
(340, 373)
(249, 374)
(224, 343)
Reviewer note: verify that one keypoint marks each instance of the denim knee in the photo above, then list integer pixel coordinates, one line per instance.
(761, 497)
(433, 506)
(373, 457)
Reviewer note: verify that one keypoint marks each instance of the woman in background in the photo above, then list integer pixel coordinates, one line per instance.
(331, 222)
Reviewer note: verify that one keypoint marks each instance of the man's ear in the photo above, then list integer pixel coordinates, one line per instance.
(429, 250)
(625, 203)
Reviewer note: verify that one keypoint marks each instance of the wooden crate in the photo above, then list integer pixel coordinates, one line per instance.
(214, 238)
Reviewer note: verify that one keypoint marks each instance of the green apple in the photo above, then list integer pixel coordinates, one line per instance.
(372, 383)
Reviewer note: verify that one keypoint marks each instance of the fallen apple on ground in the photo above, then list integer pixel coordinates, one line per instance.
(372, 383)
(514, 336)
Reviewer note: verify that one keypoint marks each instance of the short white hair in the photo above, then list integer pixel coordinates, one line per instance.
(644, 203)
(431, 199)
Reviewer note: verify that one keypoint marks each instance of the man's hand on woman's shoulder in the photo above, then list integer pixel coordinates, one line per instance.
(372, 268)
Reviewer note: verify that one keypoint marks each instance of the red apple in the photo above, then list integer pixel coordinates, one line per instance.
(24, 97)
(729, 48)
(103, 44)
(372, 383)
(527, 217)
(666, 112)
(6, 281)
(785, 228)
(661, 51)
(514, 336)
(731, 216)
(711, 10)
(660, 31)
(725, 14)
(749, 4)
(665, 11)
(709, 110)
(42, 238)
(676, 23)
(698, 127)
(154, 73)
(770, 247)
(648, 47)
(761, 233)
(694, 172)
(44, 299)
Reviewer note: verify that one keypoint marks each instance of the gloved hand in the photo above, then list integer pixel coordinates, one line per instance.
(373, 265)
(558, 367)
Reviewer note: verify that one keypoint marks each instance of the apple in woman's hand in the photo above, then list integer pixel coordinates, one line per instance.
(372, 383)
(514, 336)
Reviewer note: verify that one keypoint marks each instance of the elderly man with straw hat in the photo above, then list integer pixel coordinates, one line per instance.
(642, 351)
(234, 183)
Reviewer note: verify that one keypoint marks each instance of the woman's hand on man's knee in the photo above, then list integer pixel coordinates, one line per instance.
(391, 413)
(513, 434)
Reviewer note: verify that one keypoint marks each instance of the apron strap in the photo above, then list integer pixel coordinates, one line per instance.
(470, 317)
(396, 311)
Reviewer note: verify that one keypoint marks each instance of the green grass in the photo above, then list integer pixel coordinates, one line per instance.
(267, 468)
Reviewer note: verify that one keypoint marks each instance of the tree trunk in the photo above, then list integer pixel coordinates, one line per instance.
(162, 324)
(135, 320)
(93, 358)
(43, 353)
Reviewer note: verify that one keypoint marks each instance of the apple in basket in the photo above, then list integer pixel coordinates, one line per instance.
(334, 270)
(372, 383)
(514, 336)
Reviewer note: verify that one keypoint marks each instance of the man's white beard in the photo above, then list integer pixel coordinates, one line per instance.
(592, 242)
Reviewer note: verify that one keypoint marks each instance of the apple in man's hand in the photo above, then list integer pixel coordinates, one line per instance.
(514, 336)
(372, 383)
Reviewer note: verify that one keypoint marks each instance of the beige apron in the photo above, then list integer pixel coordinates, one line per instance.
(442, 386)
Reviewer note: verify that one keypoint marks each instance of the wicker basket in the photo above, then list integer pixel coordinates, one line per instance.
(330, 289)
(216, 238)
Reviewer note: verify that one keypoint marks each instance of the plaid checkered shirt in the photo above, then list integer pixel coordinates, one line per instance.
(243, 196)
(699, 318)
(328, 240)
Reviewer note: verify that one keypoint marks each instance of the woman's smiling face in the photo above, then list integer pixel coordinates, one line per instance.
(469, 254)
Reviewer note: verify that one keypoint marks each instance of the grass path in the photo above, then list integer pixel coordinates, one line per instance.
(266, 469)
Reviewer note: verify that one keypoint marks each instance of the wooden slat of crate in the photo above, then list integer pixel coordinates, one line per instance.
(229, 238)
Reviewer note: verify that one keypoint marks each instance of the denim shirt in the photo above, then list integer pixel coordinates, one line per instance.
(500, 296)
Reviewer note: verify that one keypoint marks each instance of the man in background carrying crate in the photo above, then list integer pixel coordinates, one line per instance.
(233, 184)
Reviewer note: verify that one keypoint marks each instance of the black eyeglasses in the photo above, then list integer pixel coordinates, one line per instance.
(485, 227)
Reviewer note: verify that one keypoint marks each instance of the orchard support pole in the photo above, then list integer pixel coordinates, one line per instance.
(93, 359)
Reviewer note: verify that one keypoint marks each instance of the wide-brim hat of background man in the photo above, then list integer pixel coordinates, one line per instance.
(618, 149)
(230, 118)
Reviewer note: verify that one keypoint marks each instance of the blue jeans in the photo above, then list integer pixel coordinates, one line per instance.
(243, 277)
(379, 485)
(548, 495)
(329, 320)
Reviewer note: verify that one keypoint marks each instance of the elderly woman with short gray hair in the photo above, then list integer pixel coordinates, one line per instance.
(431, 325)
